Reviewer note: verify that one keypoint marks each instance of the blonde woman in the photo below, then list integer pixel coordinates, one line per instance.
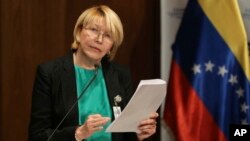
(87, 77)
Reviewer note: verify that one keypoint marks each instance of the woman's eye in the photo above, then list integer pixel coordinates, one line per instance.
(107, 35)
(94, 29)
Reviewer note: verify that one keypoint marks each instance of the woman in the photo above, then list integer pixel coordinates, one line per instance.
(87, 77)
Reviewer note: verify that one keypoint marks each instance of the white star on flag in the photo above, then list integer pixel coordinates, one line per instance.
(244, 107)
(233, 79)
(222, 71)
(240, 92)
(209, 66)
(196, 69)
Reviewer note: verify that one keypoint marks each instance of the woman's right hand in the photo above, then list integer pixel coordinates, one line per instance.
(92, 124)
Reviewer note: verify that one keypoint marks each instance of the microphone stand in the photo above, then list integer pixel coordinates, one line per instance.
(71, 108)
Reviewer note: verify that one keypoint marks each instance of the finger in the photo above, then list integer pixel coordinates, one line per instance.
(92, 127)
(97, 128)
(100, 122)
(145, 134)
(148, 122)
(94, 116)
(147, 127)
(153, 115)
(148, 132)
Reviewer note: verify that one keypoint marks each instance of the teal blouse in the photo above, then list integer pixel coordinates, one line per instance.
(94, 101)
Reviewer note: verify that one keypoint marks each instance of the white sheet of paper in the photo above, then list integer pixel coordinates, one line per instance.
(147, 99)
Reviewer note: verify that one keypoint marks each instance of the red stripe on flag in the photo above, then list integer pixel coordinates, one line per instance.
(185, 113)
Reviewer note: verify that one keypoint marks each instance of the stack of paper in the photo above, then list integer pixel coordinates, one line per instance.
(147, 99)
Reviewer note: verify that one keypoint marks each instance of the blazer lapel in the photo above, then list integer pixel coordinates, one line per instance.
(69, 88)
(113, 85)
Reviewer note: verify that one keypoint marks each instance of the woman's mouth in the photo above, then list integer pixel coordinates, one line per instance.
(95, 48)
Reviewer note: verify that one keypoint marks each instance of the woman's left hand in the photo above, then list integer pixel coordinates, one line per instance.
(147, 127)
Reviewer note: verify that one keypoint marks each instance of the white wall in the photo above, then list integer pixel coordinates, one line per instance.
(245, 12)
(171, 13)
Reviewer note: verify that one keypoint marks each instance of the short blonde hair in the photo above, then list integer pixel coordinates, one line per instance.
(113, 25)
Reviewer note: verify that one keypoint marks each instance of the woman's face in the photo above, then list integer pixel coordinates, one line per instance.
(95, 41)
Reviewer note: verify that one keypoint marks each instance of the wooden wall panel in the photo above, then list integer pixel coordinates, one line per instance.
(33, 31)
(1, 92)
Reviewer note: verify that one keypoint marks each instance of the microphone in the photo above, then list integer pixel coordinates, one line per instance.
(71, 108)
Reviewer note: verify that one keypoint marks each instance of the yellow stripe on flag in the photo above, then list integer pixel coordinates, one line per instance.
(225, 16)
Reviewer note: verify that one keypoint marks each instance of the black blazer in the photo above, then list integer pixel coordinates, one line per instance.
(54, 92)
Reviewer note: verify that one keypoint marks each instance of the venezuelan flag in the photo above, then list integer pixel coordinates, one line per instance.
(209, 85)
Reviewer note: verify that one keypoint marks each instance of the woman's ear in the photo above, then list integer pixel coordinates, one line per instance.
(78, 36)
